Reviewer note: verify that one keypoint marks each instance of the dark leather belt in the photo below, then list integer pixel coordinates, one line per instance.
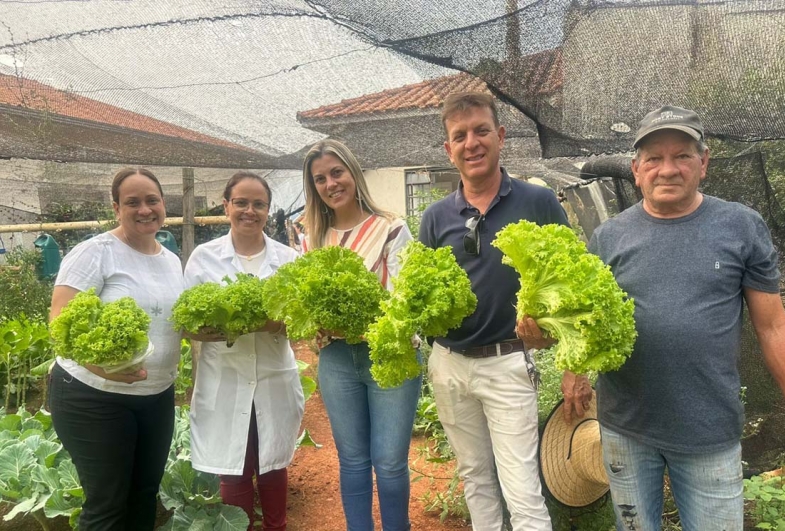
(490, 351)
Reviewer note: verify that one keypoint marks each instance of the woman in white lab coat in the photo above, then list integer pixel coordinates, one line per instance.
(247, 402)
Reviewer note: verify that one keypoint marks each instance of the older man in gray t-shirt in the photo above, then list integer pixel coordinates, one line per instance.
(689, 261)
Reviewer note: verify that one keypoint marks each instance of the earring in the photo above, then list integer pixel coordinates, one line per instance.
(325, 210)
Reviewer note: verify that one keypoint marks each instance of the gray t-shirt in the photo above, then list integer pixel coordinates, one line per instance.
(679, 390)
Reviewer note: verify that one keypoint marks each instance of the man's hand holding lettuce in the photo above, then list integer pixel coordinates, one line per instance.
(430, 295)
(571, 295)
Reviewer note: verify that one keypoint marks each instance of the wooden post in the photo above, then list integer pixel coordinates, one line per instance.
(512, 38)
(188, 214)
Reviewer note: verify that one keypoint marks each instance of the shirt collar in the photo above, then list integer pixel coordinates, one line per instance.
(504, 188)
(228, 252)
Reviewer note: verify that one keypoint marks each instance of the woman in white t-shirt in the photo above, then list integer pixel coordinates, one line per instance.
(118, 427)
(247, 402)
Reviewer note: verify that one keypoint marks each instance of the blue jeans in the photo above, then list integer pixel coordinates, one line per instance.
(372, 427)
(708, 488)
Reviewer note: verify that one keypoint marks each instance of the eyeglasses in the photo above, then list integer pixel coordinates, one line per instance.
(242, 204)
(471, 241)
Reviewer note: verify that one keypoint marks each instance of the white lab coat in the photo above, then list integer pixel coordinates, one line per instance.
(259, 370)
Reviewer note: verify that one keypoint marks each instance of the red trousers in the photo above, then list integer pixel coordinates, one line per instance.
(272, 487)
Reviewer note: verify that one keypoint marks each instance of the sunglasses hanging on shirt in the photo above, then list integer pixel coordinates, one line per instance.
(471, 241)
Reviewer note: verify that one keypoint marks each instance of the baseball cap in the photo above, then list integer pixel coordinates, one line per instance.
(670, 117)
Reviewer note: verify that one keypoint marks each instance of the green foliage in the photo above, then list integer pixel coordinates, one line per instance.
(24, 347)
(233, 309)
(91, 332)
(431, 294)
(308, 384)
(191, 494)
(766, 502)
(571, 294)
(185, 366)
(22, 291)
(325, 289)
(84, 211)
(423, 200)
(37, 476)
(427, 423)
(597, 517)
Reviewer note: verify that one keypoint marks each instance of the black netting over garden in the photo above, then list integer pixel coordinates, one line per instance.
(221, 83)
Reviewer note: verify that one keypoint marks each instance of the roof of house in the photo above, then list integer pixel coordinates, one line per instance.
(541, 73)
(29, 94)
(423, 95)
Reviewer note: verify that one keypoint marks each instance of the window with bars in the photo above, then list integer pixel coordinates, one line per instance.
(420, 182)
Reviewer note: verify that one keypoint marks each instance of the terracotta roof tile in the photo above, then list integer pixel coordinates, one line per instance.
(540, 73)
(33, 95)
(423, 95)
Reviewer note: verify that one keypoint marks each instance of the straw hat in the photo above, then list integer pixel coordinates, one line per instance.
(571, 457)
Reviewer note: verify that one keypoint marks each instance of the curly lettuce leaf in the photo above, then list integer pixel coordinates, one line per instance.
(325, 289)
(90, 332)
(234, 309)
(432, 294)
(571, 295)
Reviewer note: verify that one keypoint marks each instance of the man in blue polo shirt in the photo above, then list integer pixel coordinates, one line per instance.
(483, 380)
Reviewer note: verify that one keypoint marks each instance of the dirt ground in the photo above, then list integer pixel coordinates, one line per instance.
(314, 495)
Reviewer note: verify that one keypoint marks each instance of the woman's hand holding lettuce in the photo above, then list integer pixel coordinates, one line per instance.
(325, 289)
(105, 335)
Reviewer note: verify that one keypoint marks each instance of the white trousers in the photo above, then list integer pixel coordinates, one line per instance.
(488, 407)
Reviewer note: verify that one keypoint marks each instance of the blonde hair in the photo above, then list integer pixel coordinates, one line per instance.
(319, 216)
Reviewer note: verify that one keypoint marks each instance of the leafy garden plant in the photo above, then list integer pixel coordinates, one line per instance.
(37, 476)
(193, 495)
(431, 295)
(23, 293)
(25, 353)
(234, 308)
(766, 501)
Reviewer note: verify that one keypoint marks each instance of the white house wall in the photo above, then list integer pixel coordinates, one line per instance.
(388, 188)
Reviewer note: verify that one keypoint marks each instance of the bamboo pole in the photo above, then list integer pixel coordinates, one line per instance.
(73, 225)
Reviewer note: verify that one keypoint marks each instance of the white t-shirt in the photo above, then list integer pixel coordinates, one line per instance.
(252, 264)
(155, 282)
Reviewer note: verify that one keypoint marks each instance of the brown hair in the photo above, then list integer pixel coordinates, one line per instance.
(460, 102)
(241, 176)
(318, 216)
(123, 174)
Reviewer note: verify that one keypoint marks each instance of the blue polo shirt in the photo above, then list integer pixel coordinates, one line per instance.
(495, 284)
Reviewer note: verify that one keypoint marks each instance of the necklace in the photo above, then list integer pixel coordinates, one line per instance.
(352, 224)
(252, 256)
(124, 239)
(248, 244)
